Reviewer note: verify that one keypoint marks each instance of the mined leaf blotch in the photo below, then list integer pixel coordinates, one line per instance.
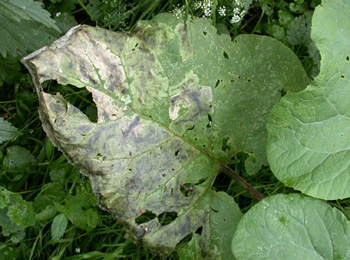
(151, 149)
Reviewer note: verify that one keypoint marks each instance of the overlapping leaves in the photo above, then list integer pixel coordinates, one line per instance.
(175, 102)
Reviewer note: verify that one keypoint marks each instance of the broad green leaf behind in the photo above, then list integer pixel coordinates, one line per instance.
(309, 132)
(292, 226)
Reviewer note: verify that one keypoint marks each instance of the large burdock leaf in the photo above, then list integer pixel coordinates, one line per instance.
(292, 226)
(309, 137)
(175, 102)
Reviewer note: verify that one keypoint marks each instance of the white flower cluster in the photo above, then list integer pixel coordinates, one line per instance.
(222, 10)
(238, 12)
(178, 11)
(205, 6)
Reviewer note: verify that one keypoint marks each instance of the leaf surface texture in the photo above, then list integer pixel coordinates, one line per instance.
(292, 226)
(309, 137)
(175, 103)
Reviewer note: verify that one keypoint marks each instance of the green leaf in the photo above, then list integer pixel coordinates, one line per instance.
(17, 37)
(8, 252)
(26, 10)
(58, 227)
(299, 29)
(58, 174)
(50, 194)
(47, 213)
(80, 212)
(7, 131)
(292, 226)
(22, 213)
(19, 21)
(252, 166)
(175, 102)
(308, 147)
(4, 197)
(9, 227)
(9, 72)
(65, 21)
(18, 159)
(18, 236)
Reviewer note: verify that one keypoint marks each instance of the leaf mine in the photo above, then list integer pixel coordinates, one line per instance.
(165, 130)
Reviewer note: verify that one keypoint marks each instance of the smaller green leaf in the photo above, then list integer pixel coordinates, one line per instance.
(18, 159)
(65, 21)
(50, 193)
(190, 250)
(48, 213)
(292, 226)
(57, 174)
(26, 10)
(9, 227)
(22, 213)
(58, 227)
(4, 197)
(7, 131)
(80, 212)
(252, 165)
(8, 252)
(299, 30)
(224, 214)
(9, 73)
(18, 236)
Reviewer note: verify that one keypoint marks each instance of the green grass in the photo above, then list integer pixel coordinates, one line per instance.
(18, 105)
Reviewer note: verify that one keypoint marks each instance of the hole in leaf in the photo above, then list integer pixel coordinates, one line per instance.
(200, 181)
(204, 33)
(187, 189)
(191, 128)
(199, 231)
(225, 55)
(210, 121)
(145, 217)
(216, 211)
(186, 239)
(217, 83)
(81, 98)
(177, 152)
(225, 144)
(347, 58)
(167, 217)
(283, 92)
(342, 76)
(223, 182)
(133, 49)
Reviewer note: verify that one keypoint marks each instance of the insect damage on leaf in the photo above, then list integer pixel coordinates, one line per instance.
(162, 120)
